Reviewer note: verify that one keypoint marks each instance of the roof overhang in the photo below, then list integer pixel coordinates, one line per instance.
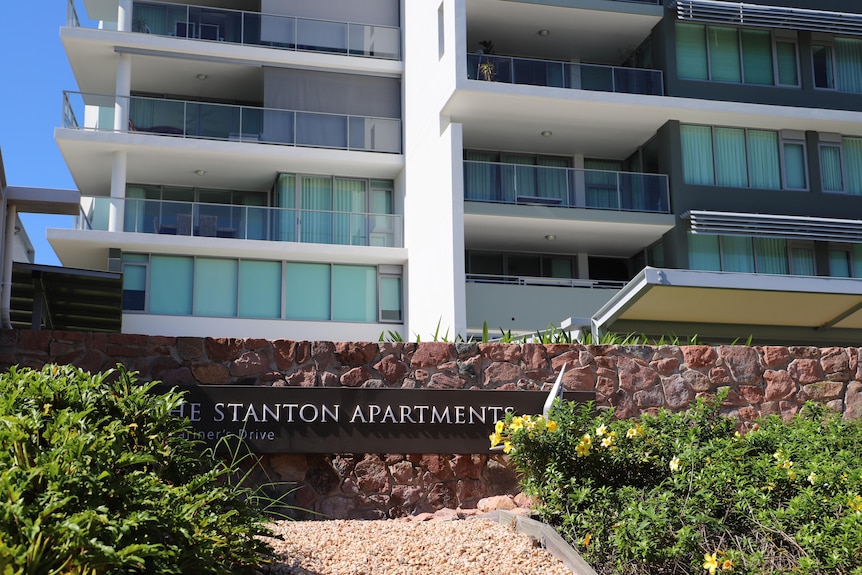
(774, 226)
(44, 200)
(724, 306)
(746, 14)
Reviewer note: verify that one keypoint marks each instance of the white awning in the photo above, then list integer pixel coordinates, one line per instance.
(744, 14)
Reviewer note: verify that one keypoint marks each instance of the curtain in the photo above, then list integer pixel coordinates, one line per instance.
(763, 159)
(737, 254)
(150, 19)
(853, 165)
(757, 56)
(839, 263)
(552, 180)
(703, 252)
(354, 293)
(259, 289)
(350, 205)
(730, 158)
(390, 298)
(285, 215)
(794, 166)
(788, 69)
(830, 168)
(691, 52)
(848, 60)
(520, 180)
(697, 154)
(600, 177)
(771, 255)
(307, 291)
(802, 261)
(724, 54)
(316, 215)
(219, 272)
(481, 178)
(821, 57)
(171, 285)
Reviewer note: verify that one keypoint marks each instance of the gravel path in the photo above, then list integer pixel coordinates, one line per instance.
(397, 547)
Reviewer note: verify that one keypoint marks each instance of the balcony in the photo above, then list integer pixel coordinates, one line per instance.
(187, 119)
(256, 29)
(556, 74)
(565, 187)
(204, 220)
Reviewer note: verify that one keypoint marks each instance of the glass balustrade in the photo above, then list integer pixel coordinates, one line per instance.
(242, 222)
(555, 74)
(235, 123)
(565, 187)
(270, 30)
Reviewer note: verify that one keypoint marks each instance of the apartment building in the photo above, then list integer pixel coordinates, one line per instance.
(344, 168)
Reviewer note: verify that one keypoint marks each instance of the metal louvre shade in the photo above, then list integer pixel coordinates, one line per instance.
(744, 14)
(774, 226)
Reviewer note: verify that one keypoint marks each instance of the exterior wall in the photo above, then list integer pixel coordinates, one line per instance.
(634, 379)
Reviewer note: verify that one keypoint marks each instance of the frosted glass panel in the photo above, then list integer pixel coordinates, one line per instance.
(171, 285)
(307, 291)
(354, 293)
(259, 289)
(215, 287)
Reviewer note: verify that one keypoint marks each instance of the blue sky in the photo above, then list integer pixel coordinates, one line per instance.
(35, 72)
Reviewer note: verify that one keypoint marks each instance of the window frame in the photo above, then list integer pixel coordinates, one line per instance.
(830, 45)
(776, 38)
(146, 266)
(786, 138)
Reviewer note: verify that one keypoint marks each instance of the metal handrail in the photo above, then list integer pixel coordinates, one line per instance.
(543, 281)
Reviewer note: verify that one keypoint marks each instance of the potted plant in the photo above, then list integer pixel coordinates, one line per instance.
(487, 68)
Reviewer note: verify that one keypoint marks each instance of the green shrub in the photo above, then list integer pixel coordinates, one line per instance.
(685, 493)
(97, 477)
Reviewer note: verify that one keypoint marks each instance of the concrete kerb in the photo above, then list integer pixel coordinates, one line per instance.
(546, 536)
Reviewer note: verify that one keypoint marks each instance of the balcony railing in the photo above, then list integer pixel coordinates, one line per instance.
(242, 222)
(234, 123)
(270, 30)
(553, 282)
(72, 19)
(565, 187)
(556, 74)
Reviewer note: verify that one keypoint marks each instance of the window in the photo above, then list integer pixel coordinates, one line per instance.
(824, 68)
(521, 264)
(736, 55)
(750, 255)
(837, 63)
(743, 158)
(224, 287)
(508, 177)
(841, 164)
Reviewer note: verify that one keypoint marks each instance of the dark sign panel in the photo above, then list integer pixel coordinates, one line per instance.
(341, 420)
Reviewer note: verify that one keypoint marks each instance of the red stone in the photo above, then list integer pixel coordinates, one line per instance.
(605, 386)
(406, 496)
(305, 377)
(719, 376)
(162, 364)
(323, 354)
(570, 359)
(329, 379)
(402, 472)
(804, 352)
(835, 364)
(743, 363)
(499, 373)
(823, 390)
(92, 362)
(354, 353)
(634, 376)
(469, 492)
(805, 370)
(534, 357)
(579, 379)
(211, 374)
(128, 339)
(443, 496)
(510, 352)
(257, 344)
(74, 336)
(190, 347)
(250, 363)
(431, 354)
(788, 409)
(752, 393)
(356, 377)
(853, 401)
(181, 377)
(438, 466)
(650, 397)
(779, 385)
(665, 366)
(468, 466)
(699, 356)
(372, 475)
(444, 380)
(223, 348)
(124, 351)
(775, 357)
(284, 353)
(676, 392)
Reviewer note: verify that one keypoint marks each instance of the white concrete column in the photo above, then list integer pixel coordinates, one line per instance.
(116, 213)
(124, 16)
(123, 89)
(6, 283)
(583, 265)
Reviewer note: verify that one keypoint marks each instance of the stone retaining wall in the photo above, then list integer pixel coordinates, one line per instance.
(633, 379)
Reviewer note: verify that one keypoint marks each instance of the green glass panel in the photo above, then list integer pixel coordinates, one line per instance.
(259, 289)
(390, 298)
(307, 289)
(215, 287)
(771, 255)
(730, 158)
(171, 285)
(703, 252)
(724, 54)
(839, 263)
(136, 258)
(354, 293)
(830, 169)
(737, 254)
(788, 70)
(757, 56)
(763, 159)
(794, 166)
(697, 159)
(802, 261)
(691, 52)
(853, 165)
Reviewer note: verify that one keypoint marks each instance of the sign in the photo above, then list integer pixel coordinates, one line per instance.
(357, 420)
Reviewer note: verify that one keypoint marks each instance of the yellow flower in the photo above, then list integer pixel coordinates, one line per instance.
(791, 473)
(517, 423)
(601, 430)
(500, 426)
(552, 425)
(608, 441)
(582, 449)
(727, 565)
(786, 464)
(812, 477)
(635, 431)
(587, 440)
(856, 504)
(778, 455)
(587, 538)
(674, 464)
(495, 438)
(710, 562)
(507, 447)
